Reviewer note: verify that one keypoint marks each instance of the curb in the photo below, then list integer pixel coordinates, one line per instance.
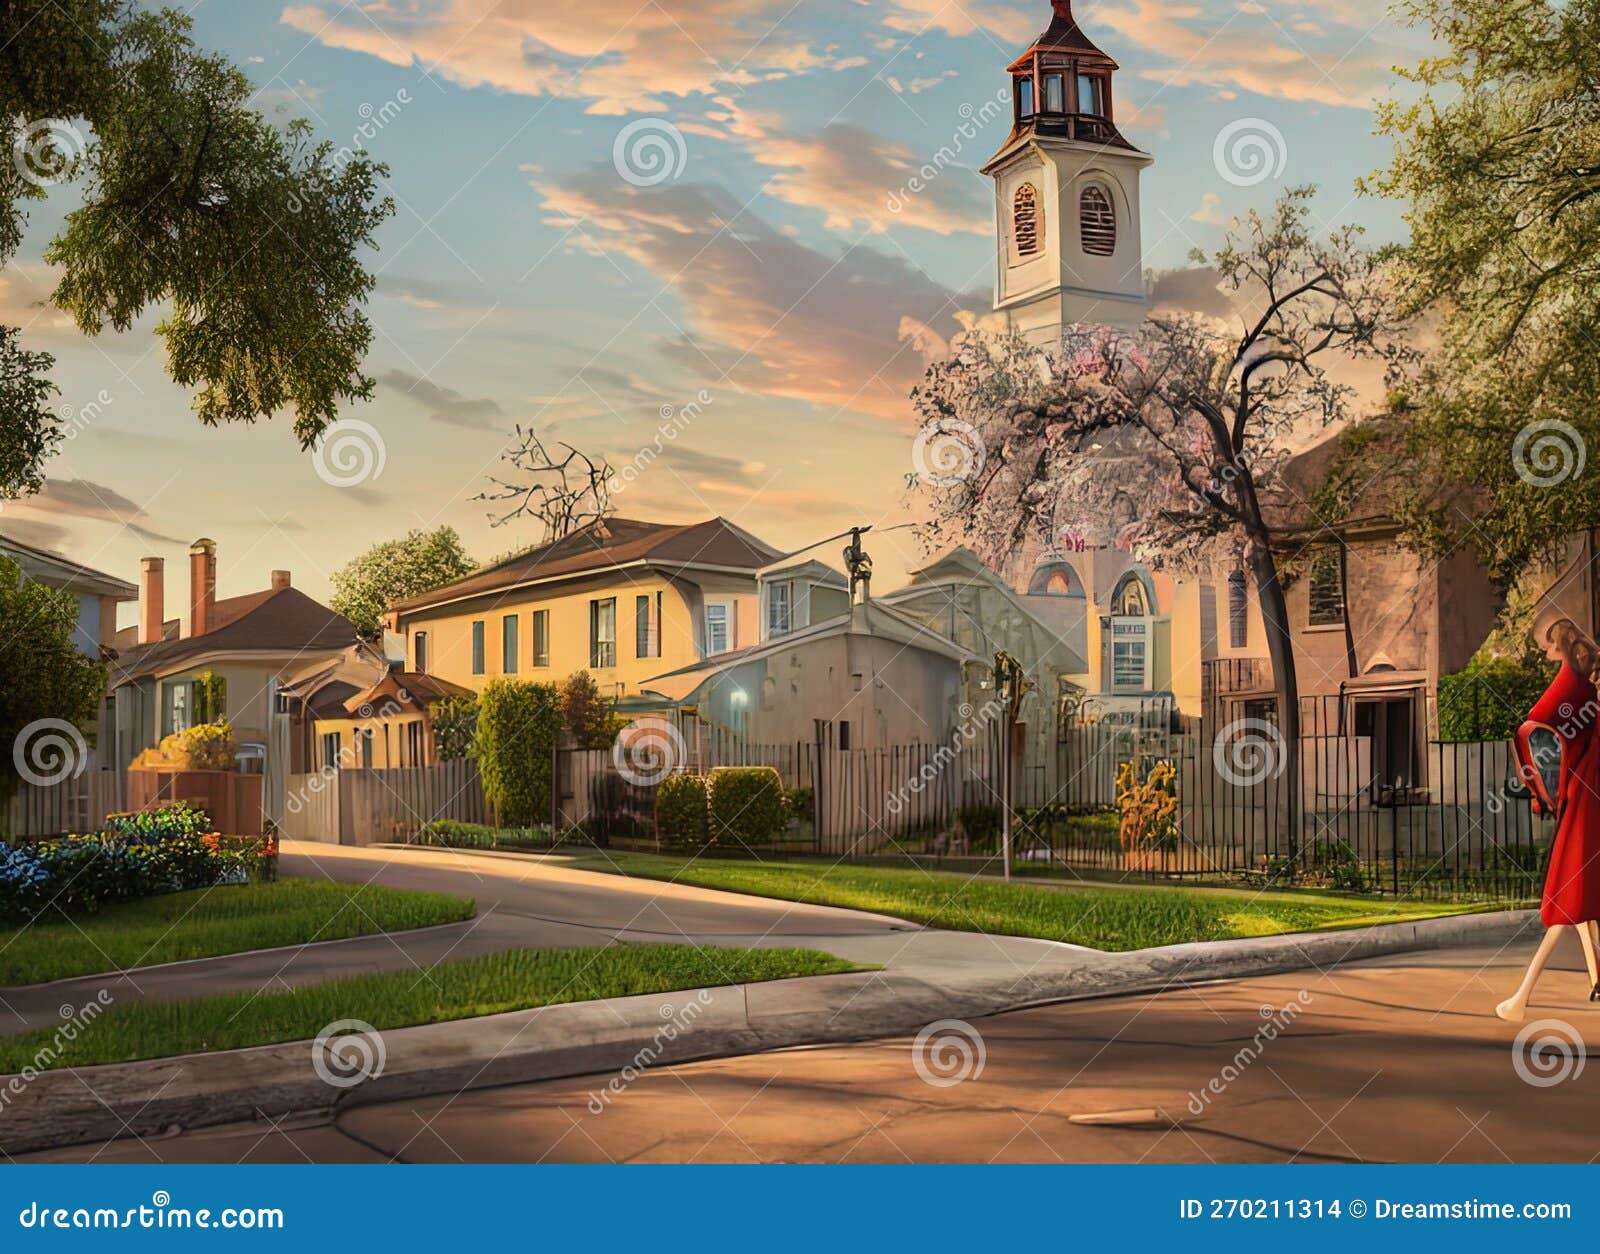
(616, 1039)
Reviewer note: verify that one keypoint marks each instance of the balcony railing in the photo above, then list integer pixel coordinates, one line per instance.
(1224, 675)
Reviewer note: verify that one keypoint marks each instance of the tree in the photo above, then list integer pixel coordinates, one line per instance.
(592, 720)
(563, 494)
(49, 692)
(247, 234)
(418, 562)
(1171, 435)
(1499, 160)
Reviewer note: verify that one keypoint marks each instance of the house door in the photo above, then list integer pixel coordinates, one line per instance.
(1390, 726)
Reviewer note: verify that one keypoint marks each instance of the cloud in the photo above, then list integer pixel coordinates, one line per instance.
(1209, 211)
(1192, 289)
(622, 56)
(773, 314)
(83, 498)
(42, 535)
(446, 405)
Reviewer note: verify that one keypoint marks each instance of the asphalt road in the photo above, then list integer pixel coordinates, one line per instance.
(1398, 1059)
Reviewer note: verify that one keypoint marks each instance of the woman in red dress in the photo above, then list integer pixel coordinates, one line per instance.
(1559, 751)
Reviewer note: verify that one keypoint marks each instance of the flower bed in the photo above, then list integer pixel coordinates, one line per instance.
(139, 855)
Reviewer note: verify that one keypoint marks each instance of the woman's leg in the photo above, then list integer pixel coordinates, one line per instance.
(1590, 932)
(1515, 1008)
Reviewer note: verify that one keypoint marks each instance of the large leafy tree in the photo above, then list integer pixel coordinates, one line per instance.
(1171, 438)
(45, 682)
(247, 235)
(418, 562)
(1498, 156)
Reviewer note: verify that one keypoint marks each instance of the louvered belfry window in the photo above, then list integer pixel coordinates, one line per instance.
(1097, 221)
(1025, 224)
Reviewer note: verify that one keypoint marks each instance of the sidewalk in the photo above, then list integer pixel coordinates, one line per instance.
(933, 978)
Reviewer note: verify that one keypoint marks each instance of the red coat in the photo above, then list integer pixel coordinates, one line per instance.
(1566, 717)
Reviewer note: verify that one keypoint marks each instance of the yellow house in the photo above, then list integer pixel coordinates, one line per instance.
(622, 599)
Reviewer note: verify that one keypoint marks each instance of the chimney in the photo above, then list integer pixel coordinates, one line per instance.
(280, 580)
(152, 598)
(202, 585)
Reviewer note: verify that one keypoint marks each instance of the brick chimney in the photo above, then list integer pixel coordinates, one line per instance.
(152, 598)
(280, 580)
(202, 585)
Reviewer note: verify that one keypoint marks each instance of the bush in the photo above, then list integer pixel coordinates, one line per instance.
(518, 725)
(1148, 805)
(181, 818)
(204, 747)
(455, 722)
(799, 804)
(980, 823)
(747, 805)
(682, 814)
(592, 720)
(455, 834)
(1490, 697)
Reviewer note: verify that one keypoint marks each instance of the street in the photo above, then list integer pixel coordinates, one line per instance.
(1394, 1060)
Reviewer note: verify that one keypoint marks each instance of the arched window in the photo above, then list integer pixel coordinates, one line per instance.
(1130, 599)
(1238, 611)
(1025, 220)
(1097, 221)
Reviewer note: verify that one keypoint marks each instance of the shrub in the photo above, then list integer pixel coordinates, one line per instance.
(455, 834)
(980, 823)
(518, 724)
(1490, 697)
(799, 804)
(181, 818)
(747, 804)
(455, 721)
(592, 720)
(1148, 806)
(682, 813)
(204, 747)
(23, 877)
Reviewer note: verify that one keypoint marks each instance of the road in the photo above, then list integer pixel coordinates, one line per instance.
(1397, 1059)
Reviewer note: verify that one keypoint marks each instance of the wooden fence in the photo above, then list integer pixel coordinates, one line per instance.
(364, 807)
(79, 803)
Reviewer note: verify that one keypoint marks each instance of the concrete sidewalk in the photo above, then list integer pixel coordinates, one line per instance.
(601, 1038)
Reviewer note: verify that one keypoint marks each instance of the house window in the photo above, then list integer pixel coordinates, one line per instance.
(1097, 221)
(603, 633)
(1130, 600)
(364, 748)
(420, 648)
(477, 647)
(647, 626)
(178, 706)
(719, 626)
(1025, 220)
(1127, 664)
(416, 744)
(844, 734)
(541, 637)
(1054, 95)
(330, 751)
(1024, 97)
(1327, 591)
(1238, 611)
(508, 644)
(1091, 95)
(780, 616)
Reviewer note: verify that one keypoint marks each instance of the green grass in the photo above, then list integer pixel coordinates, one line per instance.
(212, 921)
(486, 985)
(1102, 918)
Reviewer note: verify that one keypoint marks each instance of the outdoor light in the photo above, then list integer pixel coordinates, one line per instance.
(739, 696)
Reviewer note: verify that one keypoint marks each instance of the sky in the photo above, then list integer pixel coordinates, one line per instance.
(614, 218)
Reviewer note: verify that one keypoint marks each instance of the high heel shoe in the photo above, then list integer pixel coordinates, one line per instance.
(1594, 993)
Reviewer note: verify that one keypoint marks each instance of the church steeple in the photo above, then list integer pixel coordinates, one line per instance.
(1066, 191)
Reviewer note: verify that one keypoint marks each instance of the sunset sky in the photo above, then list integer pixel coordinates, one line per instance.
(524, 279)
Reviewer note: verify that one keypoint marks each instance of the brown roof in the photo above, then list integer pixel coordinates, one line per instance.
(615, 542)
(1064, 31)
(273, 621)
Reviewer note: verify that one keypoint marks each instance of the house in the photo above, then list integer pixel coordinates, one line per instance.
(97, 594)
(621, 598)
(869, 678)
(251, 643)
(361, 709)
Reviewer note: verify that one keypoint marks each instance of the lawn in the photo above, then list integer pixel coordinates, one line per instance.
(486, 985)
(212, 921)
(1102, 918)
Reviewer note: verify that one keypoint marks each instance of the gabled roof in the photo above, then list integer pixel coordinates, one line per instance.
(715, 543)
(59, 571)
(807, 568)
(1065, 35)
(284, 620)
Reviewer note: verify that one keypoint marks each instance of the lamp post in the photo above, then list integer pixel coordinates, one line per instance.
(1010, 686)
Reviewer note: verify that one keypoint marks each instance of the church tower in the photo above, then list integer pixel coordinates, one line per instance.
(1066, 187)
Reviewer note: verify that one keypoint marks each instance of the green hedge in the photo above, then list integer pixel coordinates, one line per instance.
(682, 814)
(747, 804)
(518, 724)
(455, 834)
(1490, 697)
